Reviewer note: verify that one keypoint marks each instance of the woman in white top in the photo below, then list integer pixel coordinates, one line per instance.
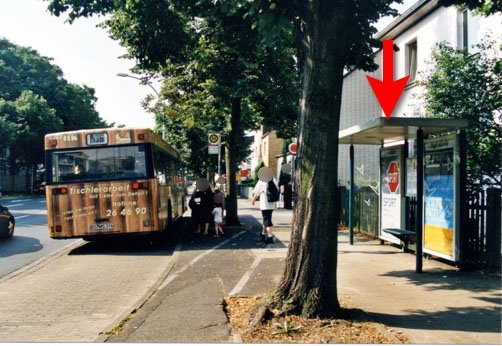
(260, 190)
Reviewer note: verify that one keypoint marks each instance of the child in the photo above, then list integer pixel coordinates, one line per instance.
(217, 212)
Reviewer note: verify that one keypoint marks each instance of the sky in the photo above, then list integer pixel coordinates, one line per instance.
(86, 55)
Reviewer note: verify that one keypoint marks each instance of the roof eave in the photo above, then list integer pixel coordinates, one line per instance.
(409, 18)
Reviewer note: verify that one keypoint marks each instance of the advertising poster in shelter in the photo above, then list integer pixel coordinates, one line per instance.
(439, 197)
(390, 191)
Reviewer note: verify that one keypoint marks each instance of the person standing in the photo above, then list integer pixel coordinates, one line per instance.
(202, 203)
(218, 219)
(265, 175)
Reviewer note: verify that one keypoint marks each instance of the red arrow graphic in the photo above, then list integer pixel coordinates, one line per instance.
(388, 91)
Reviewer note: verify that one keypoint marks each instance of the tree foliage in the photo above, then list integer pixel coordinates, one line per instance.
(241, 53)
(464, 86)
(485, 7)
(214, 63)
(35, 99)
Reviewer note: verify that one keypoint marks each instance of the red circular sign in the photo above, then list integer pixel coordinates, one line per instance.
(293, 147)
(393, 176)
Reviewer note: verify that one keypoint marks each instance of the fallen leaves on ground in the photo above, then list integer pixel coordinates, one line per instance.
(295, 329)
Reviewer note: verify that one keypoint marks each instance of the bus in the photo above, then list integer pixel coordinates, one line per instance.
(112, 181)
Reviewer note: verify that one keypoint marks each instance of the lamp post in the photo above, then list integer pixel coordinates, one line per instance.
(122, 74)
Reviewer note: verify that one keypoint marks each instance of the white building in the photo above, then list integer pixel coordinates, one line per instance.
(415, 33)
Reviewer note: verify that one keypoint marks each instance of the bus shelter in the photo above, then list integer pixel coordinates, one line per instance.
(434, 174)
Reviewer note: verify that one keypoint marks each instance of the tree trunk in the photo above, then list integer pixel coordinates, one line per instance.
(232, 219)
(308, 286)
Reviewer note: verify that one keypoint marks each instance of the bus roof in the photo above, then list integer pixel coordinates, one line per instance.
(106, 136)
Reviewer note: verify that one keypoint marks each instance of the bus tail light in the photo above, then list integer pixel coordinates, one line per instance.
(140, 186)
(60, 191)
(59, 229)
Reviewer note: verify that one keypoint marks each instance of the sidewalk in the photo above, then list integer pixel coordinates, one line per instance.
(439, 306)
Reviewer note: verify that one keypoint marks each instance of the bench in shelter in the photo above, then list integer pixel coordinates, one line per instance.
(402, 234)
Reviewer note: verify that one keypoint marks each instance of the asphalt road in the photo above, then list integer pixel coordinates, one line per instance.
(31, 237)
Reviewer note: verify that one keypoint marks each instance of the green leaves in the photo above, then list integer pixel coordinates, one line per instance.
(35, 99)
(286, 327)
(460, 85)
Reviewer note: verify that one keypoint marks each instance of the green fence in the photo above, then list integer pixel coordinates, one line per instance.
(365, 209)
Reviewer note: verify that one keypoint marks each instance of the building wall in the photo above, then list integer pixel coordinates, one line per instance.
(358, 101)
(255, 156)
(442, 25)
(359, 105)
(271, 147)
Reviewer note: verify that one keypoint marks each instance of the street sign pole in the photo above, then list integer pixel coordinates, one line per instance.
(219, 158)
(214, 147)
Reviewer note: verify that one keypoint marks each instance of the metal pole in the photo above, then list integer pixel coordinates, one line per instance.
(144, 81)
(420, 200)
(461, 203)
(351, 195)
(219, 158)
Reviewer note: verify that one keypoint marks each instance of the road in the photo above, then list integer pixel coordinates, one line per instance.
(31, 238)
(79, 292)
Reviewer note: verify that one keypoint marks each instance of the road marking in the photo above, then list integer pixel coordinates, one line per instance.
(13, 205)
(20, 217)
(196, 259)
(245, 278)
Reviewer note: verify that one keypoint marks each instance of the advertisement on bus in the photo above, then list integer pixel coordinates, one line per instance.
(105, 207)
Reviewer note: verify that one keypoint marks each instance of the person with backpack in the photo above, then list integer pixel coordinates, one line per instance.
(202, 204)
(267, 191)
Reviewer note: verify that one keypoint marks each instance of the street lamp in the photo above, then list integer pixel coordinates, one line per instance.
(121, 74)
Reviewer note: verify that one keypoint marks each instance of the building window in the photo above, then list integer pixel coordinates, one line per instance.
(463, 29)
(411, 60)
(465, 32)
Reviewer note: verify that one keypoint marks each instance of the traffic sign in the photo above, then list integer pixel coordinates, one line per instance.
(214, 138)
(293, 148)
(393, 177)
(213, 146)
(213, 149)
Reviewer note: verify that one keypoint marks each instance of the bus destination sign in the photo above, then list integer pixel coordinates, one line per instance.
(97, 138)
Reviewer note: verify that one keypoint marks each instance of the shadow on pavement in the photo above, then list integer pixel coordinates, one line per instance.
(248, 240)
(155, 244)
(19, 245)
(453, 319)
(451, 280)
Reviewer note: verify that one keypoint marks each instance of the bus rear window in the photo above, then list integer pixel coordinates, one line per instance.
(104, 163)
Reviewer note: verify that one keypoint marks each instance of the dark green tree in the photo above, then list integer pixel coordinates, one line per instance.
(24, 69)
(330, 36)
(35, 99)
(464, 86)
(30, 117)
(214, 44)
(485, 7)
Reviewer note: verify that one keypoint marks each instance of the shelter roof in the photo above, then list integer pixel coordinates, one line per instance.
(380, 130)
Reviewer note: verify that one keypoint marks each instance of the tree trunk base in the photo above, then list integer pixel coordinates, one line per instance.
(257, 316)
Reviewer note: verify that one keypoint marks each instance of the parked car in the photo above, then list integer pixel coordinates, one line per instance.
(7, 223)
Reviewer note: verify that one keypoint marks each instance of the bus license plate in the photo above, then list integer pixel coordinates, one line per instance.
(101, 226)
